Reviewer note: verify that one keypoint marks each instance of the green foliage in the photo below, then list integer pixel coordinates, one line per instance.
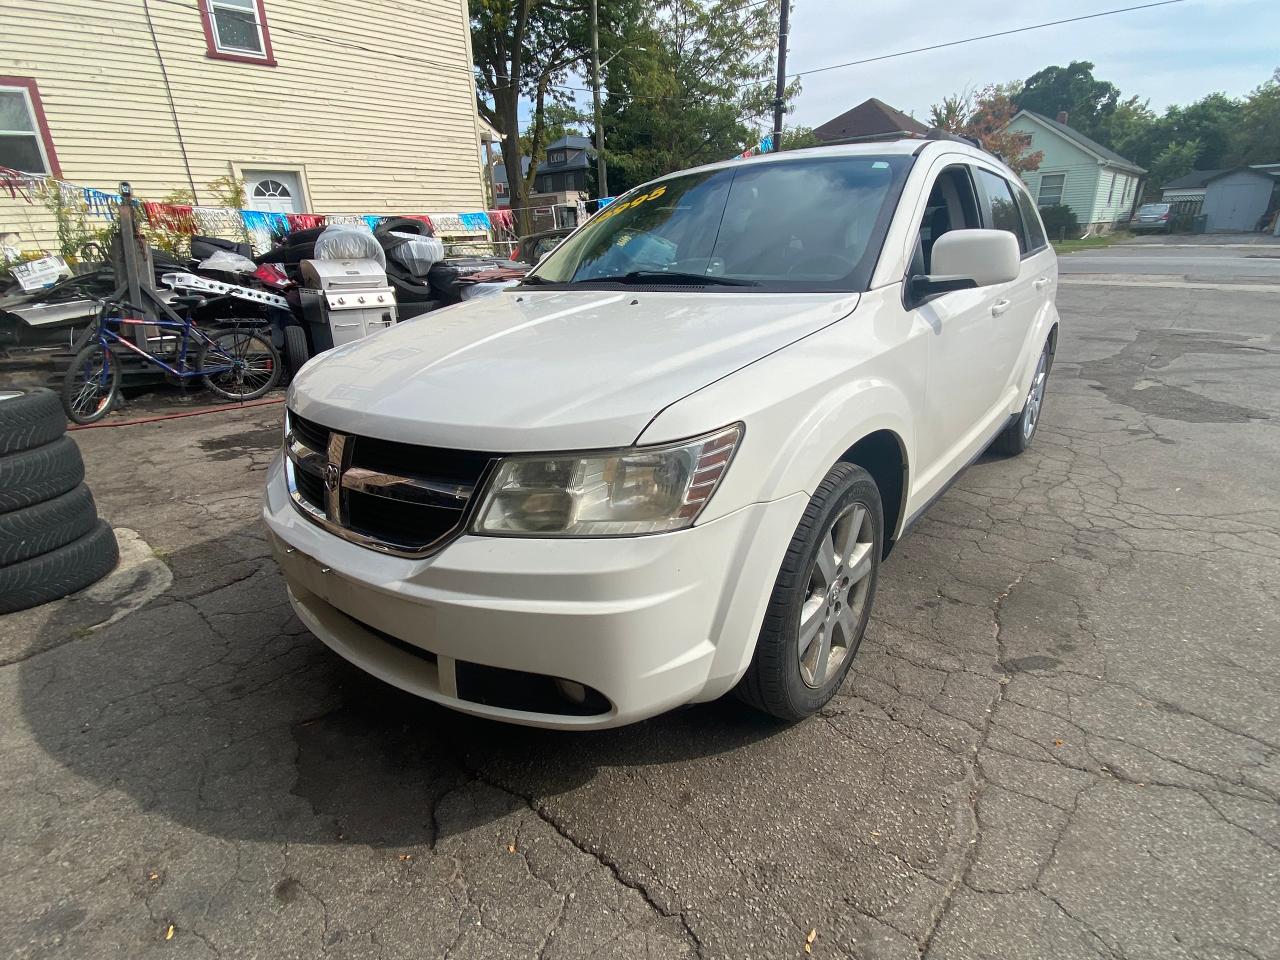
(1175, 160)
(699, 91)
(1258, 135)
(1089, 102)
(79, 238)
(798, 138)
(1060, 222)
(175, 242)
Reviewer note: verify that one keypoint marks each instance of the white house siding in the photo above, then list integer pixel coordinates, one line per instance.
(1112, 205)
(371, 103)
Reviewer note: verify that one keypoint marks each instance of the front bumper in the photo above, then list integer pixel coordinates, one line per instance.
(648, 622)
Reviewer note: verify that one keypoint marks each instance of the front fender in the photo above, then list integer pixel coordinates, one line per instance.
(805, 406)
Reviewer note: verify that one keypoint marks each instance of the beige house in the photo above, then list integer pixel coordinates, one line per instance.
(321, 106)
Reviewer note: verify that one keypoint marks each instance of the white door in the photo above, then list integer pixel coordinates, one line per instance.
(959, 393)
(1017, 305)
(273, 191)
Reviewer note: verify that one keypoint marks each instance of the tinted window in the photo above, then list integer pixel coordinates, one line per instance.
(1001, 210)
(811, 224)
(1031, 220)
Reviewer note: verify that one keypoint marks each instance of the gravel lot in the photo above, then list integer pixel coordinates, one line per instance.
(1060, 739)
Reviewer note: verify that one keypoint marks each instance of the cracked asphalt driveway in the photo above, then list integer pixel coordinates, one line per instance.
(1060, 739)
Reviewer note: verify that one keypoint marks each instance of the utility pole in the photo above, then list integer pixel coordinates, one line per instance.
(602, 174)
(778, 93)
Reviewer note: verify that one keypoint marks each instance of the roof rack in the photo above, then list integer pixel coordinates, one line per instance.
(937, 133)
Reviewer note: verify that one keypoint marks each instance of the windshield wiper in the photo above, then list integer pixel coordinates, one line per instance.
(530, 280)
(672, 276)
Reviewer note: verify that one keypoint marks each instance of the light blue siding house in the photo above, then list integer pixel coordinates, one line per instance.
(1098, 184)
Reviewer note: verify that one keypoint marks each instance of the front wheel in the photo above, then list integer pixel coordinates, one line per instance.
(91, 384)
(240, 364)
(821, 601)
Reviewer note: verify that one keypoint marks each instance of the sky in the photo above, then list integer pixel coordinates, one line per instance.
(1171, 54)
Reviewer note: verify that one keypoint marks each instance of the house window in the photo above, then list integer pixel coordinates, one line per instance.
(1051, 185)
(1111, 191)
(237, 30)
(25, 143)
(556, 156)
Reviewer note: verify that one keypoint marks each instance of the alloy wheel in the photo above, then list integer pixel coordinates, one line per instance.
(1035, 398)
(839, 579)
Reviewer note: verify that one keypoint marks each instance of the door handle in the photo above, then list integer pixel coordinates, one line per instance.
(1000, 306)
(1041, 283)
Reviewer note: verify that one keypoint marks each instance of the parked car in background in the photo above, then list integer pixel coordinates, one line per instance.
(667, 464)
(534, 247)
(1152, 216)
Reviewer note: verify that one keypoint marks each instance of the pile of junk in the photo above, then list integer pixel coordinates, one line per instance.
(316, 289)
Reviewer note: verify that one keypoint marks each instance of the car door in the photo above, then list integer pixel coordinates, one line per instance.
(959, 395)
(1016, 304)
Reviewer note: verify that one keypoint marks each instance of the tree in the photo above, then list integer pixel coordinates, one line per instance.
(1134, 131)
(1212, 121)
(1257, 138)
(985, 114)
(1089, 102)
(1175, 160)
(562, 120)
(690, 96)
(524, 49)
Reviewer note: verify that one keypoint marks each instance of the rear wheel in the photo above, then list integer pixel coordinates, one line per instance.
(243, 364)
(91, 384)
(1017, 436)
(821, 600)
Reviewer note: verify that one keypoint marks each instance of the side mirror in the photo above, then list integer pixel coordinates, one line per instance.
(964, 259)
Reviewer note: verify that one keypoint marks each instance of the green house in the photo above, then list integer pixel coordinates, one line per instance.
(1100, 186)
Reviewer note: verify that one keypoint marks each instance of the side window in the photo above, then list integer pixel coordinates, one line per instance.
(952, 205)
(1000, 209)
(1036, 239)
(1051, 186)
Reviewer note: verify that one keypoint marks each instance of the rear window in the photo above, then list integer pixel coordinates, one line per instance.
(1153, 208)
(804, 224)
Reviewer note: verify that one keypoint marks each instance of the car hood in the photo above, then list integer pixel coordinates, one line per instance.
(549, 370)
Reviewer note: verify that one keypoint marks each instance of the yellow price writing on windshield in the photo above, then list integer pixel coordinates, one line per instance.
(614, 208)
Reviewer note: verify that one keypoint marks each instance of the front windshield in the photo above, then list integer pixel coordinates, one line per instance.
(804, 224)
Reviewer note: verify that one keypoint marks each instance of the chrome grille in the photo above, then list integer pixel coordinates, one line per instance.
(397, 498)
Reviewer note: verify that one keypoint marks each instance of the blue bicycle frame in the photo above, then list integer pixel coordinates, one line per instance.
(106, 336)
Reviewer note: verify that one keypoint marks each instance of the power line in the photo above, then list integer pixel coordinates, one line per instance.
(985, 36)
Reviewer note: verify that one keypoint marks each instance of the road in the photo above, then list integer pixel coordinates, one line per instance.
(1061, 737)
(1214, 263)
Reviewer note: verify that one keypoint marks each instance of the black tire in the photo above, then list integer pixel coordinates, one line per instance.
(774, 682)
(34, 476)
(91, 385)
(1017, 436)
(29, 418)
(253, 359)
(60, 572)
(46, 526)
(296, 351)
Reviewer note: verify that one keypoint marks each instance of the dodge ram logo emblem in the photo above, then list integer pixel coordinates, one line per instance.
(332, 476)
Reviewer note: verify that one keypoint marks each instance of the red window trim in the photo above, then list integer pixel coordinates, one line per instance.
(268, 58)
(42, 124)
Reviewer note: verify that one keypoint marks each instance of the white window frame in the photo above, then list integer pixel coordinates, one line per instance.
(35, 130)
(214, 5)
(1040, 190)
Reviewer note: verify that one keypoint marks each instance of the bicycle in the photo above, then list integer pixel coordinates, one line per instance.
(235, 363)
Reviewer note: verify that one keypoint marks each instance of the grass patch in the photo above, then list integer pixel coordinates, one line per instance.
(1091, 243)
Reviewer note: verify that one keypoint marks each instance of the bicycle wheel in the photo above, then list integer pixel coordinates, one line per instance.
(91, 384)
(245, 364)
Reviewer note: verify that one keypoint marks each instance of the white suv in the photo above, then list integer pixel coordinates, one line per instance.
(668, 464)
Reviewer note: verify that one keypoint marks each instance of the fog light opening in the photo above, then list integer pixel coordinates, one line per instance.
(572, 691)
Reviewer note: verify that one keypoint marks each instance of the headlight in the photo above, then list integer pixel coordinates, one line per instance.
(612, 493)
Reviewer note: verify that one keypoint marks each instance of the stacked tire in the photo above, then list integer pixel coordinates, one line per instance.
(51, 540)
